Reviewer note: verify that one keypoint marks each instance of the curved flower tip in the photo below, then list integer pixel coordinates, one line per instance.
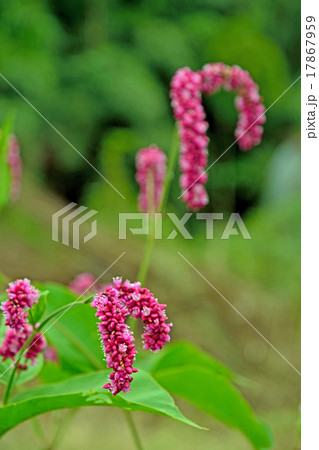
(150, 174)
(21, 295)
(14, 341)
(248, 101)
(83, 282)
(186, 89)
(113, 307)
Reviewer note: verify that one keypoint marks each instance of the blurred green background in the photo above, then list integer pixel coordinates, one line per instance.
(99, 71)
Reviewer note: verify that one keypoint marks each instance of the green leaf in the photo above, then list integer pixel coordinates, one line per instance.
(183, 353)
(24, 375)
(36, 313)
(73, 333)
(85, 390)
(193, 375)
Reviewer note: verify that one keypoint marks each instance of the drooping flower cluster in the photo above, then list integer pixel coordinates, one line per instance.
(116, 338)
(185, 93)
(14, 341)
(21, 295)
(248, 101)
(113, 307)
(14, 161)
(186, 89)
(150, 174)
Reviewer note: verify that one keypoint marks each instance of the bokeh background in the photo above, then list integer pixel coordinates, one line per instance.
(99, 71)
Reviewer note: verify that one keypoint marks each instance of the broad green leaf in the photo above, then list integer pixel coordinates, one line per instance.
(23, 375)
(183, 353)
(74, 332)
(85, 390)
(52, 373)
(214, 394)
(36, 313)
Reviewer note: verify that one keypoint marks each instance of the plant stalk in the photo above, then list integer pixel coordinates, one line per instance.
(11, 383)
(145, 263)
(142, 273)
(133, 429)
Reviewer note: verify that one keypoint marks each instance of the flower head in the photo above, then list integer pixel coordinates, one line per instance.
(117, 340)
(150, 174)
(186, 89)
(21, 295)
(14, 341)
(113, 306)
(189, 112)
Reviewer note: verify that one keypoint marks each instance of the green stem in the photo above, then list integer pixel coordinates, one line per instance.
(145, 263)
(172, 159)
(38, 429)
(133, 429)
(142, 273)
(141, 276)
(62, 428)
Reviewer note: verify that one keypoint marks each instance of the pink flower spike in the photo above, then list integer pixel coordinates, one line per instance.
(189, 113)
(150, 174)
(14, 341)
(186, 89)
(21, 295)
(117, 339)
(15, 163)
(84, 282)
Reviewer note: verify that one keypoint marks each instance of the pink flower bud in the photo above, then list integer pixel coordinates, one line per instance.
(150, 174)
